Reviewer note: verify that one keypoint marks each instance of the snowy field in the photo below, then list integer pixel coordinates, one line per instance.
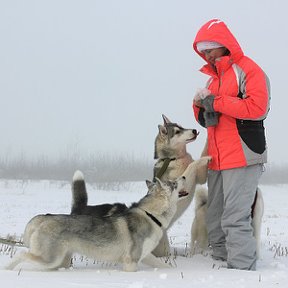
(20, 201)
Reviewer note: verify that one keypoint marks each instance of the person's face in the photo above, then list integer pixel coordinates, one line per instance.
(212, 54)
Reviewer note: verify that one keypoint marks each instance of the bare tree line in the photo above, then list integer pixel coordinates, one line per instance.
(96, 168)
(102, 168)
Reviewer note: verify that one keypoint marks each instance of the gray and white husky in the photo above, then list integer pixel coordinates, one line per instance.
(126, 237)
(173, 160)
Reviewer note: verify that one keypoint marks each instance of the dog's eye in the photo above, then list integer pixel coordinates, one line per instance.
(174, 185)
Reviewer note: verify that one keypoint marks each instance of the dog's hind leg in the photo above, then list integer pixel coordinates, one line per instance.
(16, 261)
(48, 259)
(29, 258)
(199, 237)
(257, 220)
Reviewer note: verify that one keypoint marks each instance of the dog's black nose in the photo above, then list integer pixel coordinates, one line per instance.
(183, 177)
(194, 131)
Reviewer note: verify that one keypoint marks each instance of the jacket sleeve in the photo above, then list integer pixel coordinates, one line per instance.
(255, 102)
(198, 113)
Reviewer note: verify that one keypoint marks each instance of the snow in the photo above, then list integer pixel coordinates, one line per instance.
(21, 200)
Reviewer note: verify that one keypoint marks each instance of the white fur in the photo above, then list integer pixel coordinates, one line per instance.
(52, 239)
(78, 176)
(199, 237)
(183, 164)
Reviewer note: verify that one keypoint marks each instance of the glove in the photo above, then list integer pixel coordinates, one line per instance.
(200, 95)
(207, 103)
(204, 99)
(211, 118)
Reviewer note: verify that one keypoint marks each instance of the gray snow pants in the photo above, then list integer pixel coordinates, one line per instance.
(231, 195)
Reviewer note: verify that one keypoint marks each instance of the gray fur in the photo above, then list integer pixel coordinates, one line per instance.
(127, 237)
(171, 142)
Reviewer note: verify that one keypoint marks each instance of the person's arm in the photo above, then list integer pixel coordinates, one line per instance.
(254, 106)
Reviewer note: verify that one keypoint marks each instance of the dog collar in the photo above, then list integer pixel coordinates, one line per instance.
(164, 167)
(154, 219)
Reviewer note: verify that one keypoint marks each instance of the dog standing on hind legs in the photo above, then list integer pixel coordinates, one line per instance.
(173, 160)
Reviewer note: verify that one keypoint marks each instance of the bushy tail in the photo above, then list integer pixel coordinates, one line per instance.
(79, 193)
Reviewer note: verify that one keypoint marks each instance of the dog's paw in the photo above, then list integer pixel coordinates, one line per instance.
(156, 262)
(204, 160)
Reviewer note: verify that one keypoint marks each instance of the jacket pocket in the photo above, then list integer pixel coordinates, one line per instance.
(253, 134)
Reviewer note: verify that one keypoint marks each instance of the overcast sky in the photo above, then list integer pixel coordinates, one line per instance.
(95, 76)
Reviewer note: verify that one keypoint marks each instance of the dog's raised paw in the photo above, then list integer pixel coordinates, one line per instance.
(204, 160)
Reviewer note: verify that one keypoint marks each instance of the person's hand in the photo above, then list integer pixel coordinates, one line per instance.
(211, 118)
(207, 103)
(200, 95)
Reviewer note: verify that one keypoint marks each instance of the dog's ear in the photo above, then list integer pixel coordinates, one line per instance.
(149, 184)
(162, 130)
(158, 181)
(165, 119)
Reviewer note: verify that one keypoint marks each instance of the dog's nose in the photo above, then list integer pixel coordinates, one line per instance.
(194, 131)
(183, 177)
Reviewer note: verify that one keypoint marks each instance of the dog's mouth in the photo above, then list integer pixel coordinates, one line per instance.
(182, 193)
(195, 135)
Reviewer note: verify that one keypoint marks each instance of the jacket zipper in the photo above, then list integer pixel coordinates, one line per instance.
(220, 83)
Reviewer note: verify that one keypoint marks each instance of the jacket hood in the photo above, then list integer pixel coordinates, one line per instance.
(217, 31)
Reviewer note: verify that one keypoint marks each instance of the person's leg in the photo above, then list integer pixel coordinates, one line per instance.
(239, 186)
(216, 236)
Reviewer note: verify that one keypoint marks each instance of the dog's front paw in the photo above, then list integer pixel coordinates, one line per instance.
(204, 160)
(202, 169)
(156, 262)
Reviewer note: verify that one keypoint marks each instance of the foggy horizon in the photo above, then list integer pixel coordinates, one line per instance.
(96, 76)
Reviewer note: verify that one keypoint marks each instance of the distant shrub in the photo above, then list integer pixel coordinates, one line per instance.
(100, 168)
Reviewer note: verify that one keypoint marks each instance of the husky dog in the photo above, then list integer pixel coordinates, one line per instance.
(128, 237)
(199, 237)
(172, 161)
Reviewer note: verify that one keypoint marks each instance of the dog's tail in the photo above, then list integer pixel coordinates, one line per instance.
(201, 197)
(79, 193)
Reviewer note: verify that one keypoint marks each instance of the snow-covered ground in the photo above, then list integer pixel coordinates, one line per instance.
(20, 201)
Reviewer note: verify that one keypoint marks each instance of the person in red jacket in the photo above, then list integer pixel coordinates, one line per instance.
(232, 107)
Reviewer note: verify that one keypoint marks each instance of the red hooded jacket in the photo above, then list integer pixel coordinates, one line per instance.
(242, 96)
